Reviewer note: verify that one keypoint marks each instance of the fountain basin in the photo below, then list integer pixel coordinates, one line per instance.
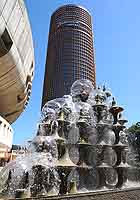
(125, 194)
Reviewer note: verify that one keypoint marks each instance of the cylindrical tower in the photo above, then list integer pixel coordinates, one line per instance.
(70, 54)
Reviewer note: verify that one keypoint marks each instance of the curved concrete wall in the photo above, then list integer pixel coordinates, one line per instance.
(16, 59)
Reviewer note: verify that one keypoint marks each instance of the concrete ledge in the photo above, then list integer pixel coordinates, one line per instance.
(127, 194)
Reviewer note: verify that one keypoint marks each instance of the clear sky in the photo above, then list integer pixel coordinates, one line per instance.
(116, 25)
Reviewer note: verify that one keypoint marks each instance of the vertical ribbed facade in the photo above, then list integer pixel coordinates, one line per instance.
(70, 54)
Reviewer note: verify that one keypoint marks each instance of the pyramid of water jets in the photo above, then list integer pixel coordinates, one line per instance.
(81, 145)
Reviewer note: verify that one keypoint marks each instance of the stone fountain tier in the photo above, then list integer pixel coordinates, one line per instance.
(125, 194)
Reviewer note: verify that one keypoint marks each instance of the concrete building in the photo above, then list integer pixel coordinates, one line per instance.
(6, 138)
(70, 54)
(16, 66)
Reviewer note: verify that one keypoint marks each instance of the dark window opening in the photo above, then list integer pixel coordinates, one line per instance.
(5, 43)
(31, 67)
(20, 98)
(28, 79)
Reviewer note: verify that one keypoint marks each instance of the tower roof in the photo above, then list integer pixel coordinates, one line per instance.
(71, 5)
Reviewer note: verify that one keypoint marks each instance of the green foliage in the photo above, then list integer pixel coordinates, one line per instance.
(134, 141)
(135, 128)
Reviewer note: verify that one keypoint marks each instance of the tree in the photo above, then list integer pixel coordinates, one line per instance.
(135, 128)
(134, 140)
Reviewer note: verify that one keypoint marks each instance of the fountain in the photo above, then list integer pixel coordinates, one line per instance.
(80, 147)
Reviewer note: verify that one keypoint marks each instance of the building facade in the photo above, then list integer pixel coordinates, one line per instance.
(70, 54)
(16, 59)
(16, 67)
(6, 139)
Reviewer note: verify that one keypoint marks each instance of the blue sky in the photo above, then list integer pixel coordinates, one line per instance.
(116, 26)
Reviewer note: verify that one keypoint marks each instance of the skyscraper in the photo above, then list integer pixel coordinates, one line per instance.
(70, 54)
